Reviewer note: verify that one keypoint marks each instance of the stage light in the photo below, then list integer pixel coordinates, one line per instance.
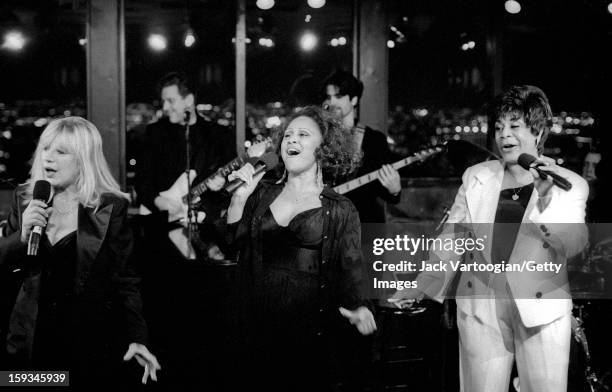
(316, 3)
(465, 47)
(308, 18)
(82, 41)
(390, 44)
(512, 6)
(273, 122)
(190, 38)
(471, 44)
(334, 42)
(308, 41)
(14, 40)
(267, 42)
(265, 4)
(610, 8)
(157, 42)
(341, 41)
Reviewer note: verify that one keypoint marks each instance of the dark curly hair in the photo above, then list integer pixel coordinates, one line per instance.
(528, 102)
(337, 155)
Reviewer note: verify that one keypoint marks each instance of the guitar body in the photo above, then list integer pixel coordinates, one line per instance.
(179, 228)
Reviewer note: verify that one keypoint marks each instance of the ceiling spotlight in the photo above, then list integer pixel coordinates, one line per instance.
(308, 41)
(341, 41)
(265, 4)
(471, 45)
(82, 41)
(334, 42)
(512, 6)
(610, 8)
(316, 3)
(157, 42)
(190, 38)
(14, 40)
(308, 18)
(390, 44)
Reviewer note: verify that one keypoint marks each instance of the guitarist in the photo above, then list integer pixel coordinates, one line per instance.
(169, 281)
(164, 154)
(343, 92)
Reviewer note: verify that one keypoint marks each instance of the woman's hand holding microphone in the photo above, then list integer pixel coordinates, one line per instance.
(36, 214)
(242, 193)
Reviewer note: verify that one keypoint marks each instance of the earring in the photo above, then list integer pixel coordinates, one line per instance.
(319, 176)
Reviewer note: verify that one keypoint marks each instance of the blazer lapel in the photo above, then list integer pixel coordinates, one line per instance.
(92, 227)
(483, 194)
(482, 198)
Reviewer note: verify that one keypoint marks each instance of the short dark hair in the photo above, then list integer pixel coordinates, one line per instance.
(347, 84)
(178, 79)
(529, 103)
(337, 154)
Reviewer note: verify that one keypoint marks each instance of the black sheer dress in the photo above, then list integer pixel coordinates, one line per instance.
(288, 322)
(54, 322)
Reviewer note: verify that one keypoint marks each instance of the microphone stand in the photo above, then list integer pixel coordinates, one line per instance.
(191, 221)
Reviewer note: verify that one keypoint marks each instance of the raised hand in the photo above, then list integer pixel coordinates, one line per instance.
(245, 173)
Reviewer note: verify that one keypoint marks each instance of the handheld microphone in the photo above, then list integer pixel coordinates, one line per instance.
(525, 160)
(42, 191)
(264, 163)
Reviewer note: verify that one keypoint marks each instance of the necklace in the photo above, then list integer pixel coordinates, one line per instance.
(517, 192)
(65, 212)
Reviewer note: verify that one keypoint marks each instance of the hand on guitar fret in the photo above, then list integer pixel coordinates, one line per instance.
(215, 183)
(390, 179)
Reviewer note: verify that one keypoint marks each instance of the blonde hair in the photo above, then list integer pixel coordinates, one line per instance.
(84, 141)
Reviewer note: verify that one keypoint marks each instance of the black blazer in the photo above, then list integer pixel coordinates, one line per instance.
(105, 287)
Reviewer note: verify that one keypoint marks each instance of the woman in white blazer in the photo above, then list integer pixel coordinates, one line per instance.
(521, 219)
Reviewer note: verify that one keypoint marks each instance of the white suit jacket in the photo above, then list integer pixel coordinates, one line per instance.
(553, 235)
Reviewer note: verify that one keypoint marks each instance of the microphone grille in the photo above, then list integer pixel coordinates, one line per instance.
(525, 160)
(269, 159)
(42, 190)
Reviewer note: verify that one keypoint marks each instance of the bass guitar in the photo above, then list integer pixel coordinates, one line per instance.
(372, 176)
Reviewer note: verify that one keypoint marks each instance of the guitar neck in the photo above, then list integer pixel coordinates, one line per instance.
(224, 171)
(367, 178)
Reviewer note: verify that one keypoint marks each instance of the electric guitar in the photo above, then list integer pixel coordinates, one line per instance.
(372, 176)
(178, 193)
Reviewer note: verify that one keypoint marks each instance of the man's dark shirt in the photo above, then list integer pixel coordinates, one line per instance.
(367, 199)
(164, 155)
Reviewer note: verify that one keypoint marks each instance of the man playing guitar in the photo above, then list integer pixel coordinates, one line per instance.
(164, 155)
(343, 92)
